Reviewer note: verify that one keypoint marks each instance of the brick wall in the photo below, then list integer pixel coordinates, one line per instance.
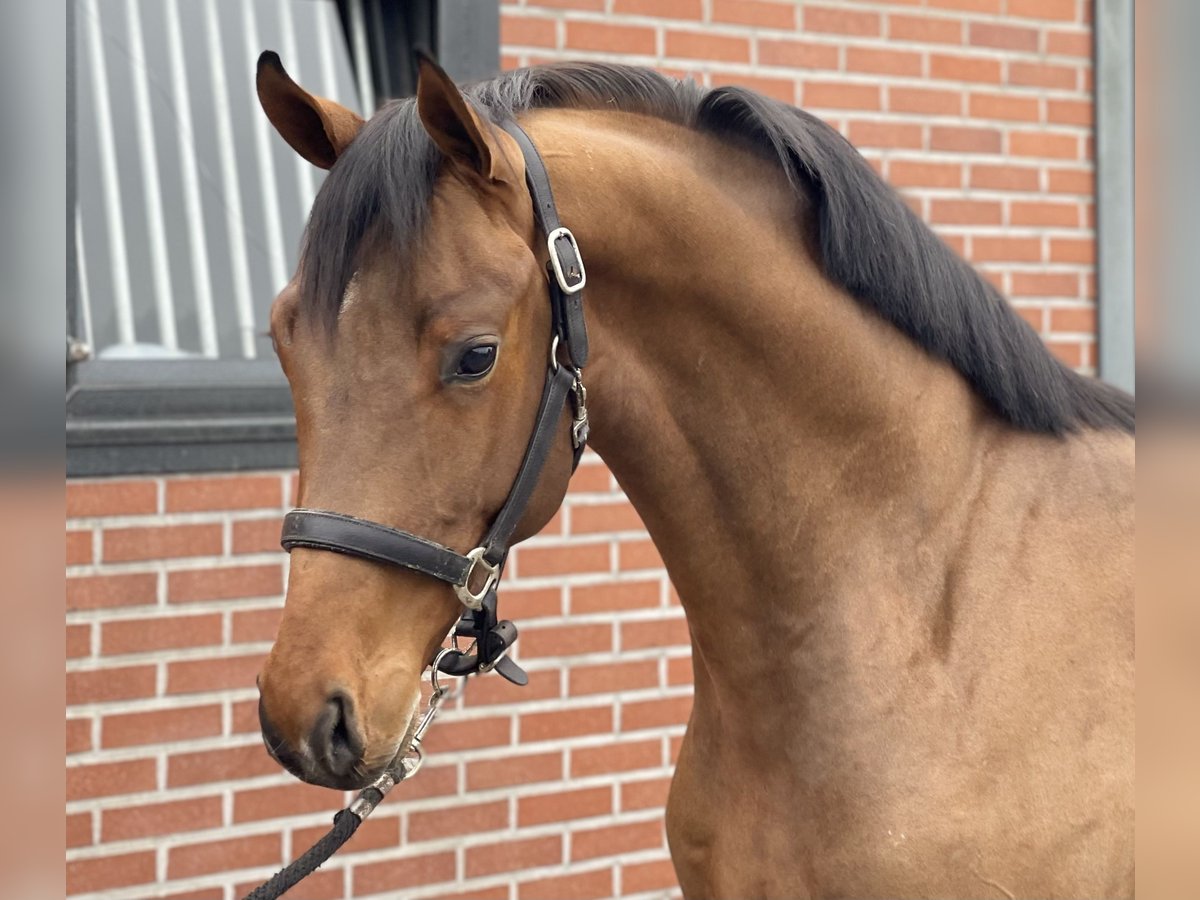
(979, 110)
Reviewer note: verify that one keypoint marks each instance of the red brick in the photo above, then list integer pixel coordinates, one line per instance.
(244, 852)
(108, 779)
(228, 583)
(1069, 43)
(513, 855)
(646, 794)
(603, 517)
(619, 756)
(755, 12)
(223, 493)
(573, 4)
(611, 677)
(107, 591)
(225, 764)
(638, 878)
(111, 498)
(1069, 352)
(707, 46)
(605, 38)
(1063, 10)
(452, 736)
(835, 20)
(964, 68)
(224, 673)
(1034, 316)
(490, 691)
(403, 874)
(1004, 106)
(160, 726)
(279, 801)
(931, 101)
(1005, 37)
(527, 31)
(965, 212)
(613, 840)
(615, 596)
(1045, 284)
(590, 478)
(562, 806)
(1001, 177)
(522, 604)
(105, 873)
(514, 770)
(324, 884)
(1004, 248)
(577, 886)
(566, 640)
(663, 9)
(679, 670)
(105, 685)
(964, 140)
(257, 625)
(1038, 74)
(79, 829)
(79, 735)
(1071, 181)
(257, 535)
(560, 724)
(79, 548)
(157, 819)
(161, 542)
(883, 62)
(1041, 212)
(916, 173)
(79, 641)
(984, 6)
(660, 713)
(563, 560)
(429, 825)
(1073, 250)
(781, 89)
(1044, 144)
(1073, 319)
(925, 29)
(1069, 112)
(159, 633)
(657, 633)
(796, 54)
(885, 134)
(841, 95)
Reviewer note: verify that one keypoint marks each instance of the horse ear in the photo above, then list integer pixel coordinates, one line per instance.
(316, 128)
(457, 129)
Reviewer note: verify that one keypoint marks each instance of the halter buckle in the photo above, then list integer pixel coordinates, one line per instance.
(474, 599)
(579, 419)
(573, 268)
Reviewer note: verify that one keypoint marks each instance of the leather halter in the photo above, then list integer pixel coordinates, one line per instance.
(475, 575)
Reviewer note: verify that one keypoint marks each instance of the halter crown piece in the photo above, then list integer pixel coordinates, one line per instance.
(475, 576)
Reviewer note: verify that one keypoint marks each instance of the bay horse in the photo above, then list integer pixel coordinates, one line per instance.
(900, 529)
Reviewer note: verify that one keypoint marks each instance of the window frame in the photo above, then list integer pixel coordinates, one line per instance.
(126, 417)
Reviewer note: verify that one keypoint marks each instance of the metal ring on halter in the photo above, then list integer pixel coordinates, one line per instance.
(474, 599)
(554, 354)
(433, 676)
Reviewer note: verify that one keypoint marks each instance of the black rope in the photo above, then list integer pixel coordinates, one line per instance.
(345, 823)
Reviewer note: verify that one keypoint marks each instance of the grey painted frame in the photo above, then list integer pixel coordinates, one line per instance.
(1114, 42)
(151, 417)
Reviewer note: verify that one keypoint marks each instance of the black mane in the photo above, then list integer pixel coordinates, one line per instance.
(871, 244)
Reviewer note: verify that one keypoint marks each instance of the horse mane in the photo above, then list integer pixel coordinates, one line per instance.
(870, 243)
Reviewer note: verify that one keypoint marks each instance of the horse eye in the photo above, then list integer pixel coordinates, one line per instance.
(476, 361)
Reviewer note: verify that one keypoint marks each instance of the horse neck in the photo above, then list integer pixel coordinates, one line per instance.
(786, 449)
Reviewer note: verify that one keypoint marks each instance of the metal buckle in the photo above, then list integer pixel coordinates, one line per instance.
(556, 261)
(579, 421)
(474, 599)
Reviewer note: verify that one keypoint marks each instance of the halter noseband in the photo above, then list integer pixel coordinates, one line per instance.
(475, 576)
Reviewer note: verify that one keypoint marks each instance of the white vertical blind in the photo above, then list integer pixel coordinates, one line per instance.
(189, 205)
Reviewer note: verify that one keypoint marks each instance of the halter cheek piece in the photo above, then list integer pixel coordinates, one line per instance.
(475, 576)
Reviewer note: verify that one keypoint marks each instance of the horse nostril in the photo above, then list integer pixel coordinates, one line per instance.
(336, 742)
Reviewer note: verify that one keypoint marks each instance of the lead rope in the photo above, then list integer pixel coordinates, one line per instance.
(346, 821)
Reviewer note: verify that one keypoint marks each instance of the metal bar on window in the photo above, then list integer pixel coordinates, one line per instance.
(362, 57)
(231, 190)
(83, 297)
(268, 190)
(160, 266)
(304, 169)
(110, 181)
(192, 203)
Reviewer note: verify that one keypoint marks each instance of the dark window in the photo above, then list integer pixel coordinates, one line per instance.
(189, 208)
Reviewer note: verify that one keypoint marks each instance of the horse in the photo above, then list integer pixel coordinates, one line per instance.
(900, 529)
